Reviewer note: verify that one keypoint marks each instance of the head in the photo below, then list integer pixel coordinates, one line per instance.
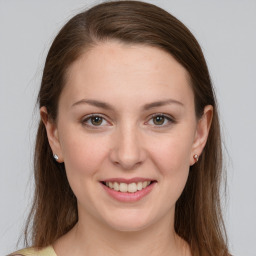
(126, 29)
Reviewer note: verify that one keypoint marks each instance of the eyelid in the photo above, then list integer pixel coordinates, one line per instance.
(87, 117)
(171, 119)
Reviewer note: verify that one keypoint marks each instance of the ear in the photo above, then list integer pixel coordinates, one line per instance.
(52, 134)
(202, 131)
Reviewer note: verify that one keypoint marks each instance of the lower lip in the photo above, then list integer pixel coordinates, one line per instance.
(129, 197)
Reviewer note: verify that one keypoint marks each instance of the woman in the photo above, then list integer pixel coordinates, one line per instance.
(128, 152)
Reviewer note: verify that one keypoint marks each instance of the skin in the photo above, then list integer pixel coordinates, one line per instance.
(128, 143)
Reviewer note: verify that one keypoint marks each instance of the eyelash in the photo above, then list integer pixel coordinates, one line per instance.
(89, 117)
(170, 120)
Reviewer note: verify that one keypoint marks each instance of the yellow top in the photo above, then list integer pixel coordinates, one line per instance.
(47, 251)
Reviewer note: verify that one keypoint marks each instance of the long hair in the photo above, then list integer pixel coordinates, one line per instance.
(198, 218)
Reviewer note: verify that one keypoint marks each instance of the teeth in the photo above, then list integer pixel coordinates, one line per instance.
(124, 187)
(139, 186)
(111, 185)
(132, 187)
(116, 186)
(144, 184)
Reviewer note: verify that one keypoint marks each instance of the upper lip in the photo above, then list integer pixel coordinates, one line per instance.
(132, 180)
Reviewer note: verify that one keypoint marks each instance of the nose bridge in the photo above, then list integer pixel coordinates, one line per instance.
(127, 151)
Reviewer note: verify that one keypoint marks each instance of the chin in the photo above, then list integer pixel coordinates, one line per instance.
(129, 223)
(128, 228)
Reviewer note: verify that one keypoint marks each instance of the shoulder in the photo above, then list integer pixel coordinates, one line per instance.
(47, 251)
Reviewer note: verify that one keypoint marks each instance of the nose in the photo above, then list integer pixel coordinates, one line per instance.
(127, 152)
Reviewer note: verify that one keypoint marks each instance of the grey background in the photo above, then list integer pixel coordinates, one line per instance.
(226, 31)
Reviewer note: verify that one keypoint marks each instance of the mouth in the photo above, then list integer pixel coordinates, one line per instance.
(128, 190)
(124, 187)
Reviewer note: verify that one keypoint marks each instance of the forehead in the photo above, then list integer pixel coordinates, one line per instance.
(112, 68)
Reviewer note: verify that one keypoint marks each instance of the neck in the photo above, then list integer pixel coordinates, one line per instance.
(96, 238)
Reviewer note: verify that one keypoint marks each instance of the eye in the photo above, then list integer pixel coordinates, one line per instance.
(94, 120)
(160, 120)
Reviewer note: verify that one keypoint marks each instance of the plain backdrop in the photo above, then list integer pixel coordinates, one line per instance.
(226, 31)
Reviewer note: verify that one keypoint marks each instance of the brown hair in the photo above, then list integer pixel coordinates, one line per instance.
(198, 217)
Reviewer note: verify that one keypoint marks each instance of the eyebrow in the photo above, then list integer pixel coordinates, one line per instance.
(107, 106)
(161, 103)
(95, 103)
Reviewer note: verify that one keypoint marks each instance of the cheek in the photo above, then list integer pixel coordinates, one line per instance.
(82, 153)
(173, 165)
(172, 153)
(171, 157)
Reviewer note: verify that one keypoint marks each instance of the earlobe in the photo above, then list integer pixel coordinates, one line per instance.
(202, 132)
(52, 134)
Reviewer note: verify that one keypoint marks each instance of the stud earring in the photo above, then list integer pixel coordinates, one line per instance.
(55, 157)
(196, 157)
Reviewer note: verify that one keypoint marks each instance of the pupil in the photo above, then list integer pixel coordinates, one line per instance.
(97, 120)
(158, 120)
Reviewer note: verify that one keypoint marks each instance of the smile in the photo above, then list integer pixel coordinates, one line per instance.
(131, 187)
(131, 190)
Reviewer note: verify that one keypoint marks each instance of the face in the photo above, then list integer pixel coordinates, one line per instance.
(127, 122)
